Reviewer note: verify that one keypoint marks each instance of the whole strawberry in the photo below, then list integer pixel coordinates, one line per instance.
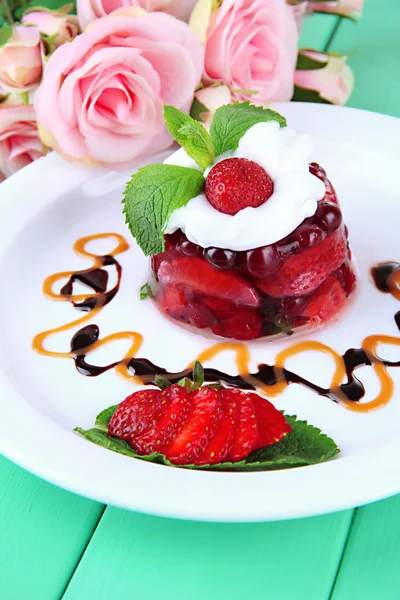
(193, 424)
(237, 183)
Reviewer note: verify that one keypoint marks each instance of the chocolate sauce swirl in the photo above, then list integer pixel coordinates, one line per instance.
(271, 378)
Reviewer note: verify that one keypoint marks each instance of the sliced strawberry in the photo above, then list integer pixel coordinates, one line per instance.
(346, 276)
(194, 435)
(243, 324)
(136, 415)
(202, 278)
(172, 301)
(246, 437)
(272, 425)
(327, 301)
(178, 405)
(222, 441)
(234, 321)
(302, 273)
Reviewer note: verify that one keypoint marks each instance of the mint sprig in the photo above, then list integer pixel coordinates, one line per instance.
(152, 195)
(304, 445)
(191, 135)
(231, 122)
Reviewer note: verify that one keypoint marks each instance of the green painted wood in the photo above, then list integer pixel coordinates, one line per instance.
(44, 531)
(145, 557)
(374, 48)
(370, 567)
(317, 31)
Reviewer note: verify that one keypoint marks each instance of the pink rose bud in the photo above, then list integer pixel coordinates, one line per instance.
(102, 96)
(19, 138)
(58, 25)
(326, 75)
(89, 10)
(211, 98)
(344, 8)
(251, 46)
(21, 60)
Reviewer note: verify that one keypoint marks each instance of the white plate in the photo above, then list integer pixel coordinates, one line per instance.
(50, 204)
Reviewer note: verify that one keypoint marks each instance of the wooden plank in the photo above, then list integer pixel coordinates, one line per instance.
(44, 531)
(149, 557)
(317, 31)
(374, 48)
(370, 566)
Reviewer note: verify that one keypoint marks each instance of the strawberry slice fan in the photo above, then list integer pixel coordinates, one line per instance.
(188, 424)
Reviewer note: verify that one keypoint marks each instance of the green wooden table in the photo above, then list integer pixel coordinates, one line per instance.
(54, 544)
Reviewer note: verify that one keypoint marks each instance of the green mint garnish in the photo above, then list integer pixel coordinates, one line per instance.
(103, 418)
(150, 198)
(231, 122)
(145, 292)
(304, 445)
(191, 135)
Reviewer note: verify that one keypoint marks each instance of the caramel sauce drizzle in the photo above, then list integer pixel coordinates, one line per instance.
(272, 380)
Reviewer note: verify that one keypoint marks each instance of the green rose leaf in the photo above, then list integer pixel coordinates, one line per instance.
(191, 135)
(5, 34)
(231, 122)
(150, 198)
(304, 445)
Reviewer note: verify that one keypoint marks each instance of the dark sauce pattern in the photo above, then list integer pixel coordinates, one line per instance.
(271, 378)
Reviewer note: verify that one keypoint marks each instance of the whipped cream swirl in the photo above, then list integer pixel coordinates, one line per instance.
(285, 156)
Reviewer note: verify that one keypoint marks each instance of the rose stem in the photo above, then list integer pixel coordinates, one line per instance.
(7, 12)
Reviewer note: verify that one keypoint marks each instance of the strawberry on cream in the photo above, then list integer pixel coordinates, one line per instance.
(285, 156)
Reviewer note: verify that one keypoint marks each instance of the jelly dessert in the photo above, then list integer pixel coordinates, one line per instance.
(257, 245)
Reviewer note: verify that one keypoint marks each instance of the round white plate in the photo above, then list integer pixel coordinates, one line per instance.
(48, 205)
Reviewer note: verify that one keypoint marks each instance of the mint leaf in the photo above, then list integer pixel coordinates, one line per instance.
(304, 445)
(145, 292)
(191, 135)
(150, 198)
(103, 418)
(231, 122)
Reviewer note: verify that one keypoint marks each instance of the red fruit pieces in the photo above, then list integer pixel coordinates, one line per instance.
(135, 415)
(178, 407)
(203, 279)
(243, 324)
(327, 301)
(302, 273)
(172, 301)
(246, 436)
(272, 425)
(222, 441)
(236, 183)
(234, 321)
(194, 435)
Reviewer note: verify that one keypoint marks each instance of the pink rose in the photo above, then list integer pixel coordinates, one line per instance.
(345, 8)
(333, 82)
(21, 60)
(55, 24)
(89, 10)
(19, 138)
(102, 96)
(252, 45)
